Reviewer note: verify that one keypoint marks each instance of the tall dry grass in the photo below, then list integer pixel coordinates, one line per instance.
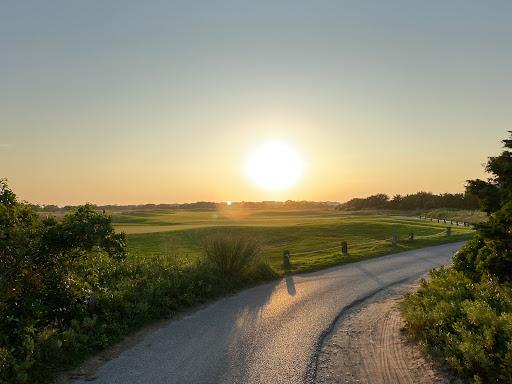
(233, 256)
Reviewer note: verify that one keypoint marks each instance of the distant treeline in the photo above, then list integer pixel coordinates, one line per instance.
(200, 205)
(135, 207)
(420, 200)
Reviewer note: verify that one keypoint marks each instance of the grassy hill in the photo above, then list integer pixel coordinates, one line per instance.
(179, 234)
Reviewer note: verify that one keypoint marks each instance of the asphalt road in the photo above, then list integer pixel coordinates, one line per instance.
(271, 333)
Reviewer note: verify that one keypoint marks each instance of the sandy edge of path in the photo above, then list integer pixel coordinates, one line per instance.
(368, 345)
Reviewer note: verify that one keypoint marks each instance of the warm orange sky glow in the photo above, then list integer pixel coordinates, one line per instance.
(165, 102)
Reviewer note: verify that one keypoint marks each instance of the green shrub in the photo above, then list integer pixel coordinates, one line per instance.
(464, 324)
(42, 290)
(52, 270)
(233, 256)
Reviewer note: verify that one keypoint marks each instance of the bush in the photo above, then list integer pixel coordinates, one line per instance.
(463, 324)
(233, 256)
(43, 291)
(69, 289)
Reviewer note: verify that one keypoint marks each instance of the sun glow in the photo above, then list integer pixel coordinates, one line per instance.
(274, 165)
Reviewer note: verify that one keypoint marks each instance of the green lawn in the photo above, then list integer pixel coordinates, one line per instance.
(179, 234)
(161, 276)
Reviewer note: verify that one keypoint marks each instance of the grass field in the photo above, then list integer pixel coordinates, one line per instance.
(166, 272)
(179, 234)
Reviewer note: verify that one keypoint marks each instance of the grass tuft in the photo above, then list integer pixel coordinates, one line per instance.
(233, 255)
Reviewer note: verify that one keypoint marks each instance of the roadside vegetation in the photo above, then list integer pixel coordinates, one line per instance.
(463, 315)
(233, 256)
(72, 285)
(69, 289)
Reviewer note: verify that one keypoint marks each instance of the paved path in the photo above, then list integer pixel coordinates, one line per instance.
(272, 333)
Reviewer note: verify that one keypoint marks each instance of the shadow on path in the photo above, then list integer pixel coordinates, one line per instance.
(290, 285)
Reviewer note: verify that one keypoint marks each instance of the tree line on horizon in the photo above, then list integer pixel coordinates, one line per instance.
(199, 205)
(419, 200)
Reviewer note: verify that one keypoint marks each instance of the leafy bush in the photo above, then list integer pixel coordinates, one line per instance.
(68, 288)
(233, 256)
(464, 324)
(42, 293)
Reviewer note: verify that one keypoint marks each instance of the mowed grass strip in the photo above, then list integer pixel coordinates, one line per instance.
(367, 236)
(162, 220)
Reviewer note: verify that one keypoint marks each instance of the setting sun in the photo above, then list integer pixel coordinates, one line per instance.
(274, 166)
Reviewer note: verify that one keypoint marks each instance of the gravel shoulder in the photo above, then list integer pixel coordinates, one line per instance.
(368, 345)
(282, 332)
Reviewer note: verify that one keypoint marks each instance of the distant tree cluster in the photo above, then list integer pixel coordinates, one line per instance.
(199, 205)
(419, 200)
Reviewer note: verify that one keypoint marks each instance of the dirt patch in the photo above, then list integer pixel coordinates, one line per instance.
(368, 345)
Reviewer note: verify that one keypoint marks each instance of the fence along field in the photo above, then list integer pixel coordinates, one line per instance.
(313, 237)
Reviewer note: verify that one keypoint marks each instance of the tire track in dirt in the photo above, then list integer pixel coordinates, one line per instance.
(312, 370)
(367, 346)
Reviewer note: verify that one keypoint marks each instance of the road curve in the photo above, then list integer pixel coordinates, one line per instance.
(271, 333)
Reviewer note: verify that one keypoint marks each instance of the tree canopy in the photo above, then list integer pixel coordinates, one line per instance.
(419, 200)
(491, 251)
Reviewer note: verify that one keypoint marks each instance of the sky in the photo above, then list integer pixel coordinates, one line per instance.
(163, 101)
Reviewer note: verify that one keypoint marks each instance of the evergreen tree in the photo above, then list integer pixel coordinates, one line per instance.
(491, 251)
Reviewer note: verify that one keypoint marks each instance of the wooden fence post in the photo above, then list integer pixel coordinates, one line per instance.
(286, 259)
(344, 248)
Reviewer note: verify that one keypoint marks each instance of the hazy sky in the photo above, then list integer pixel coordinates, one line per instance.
(161, 101)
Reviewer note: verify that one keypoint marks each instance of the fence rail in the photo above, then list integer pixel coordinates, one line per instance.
(343, 246)
(446, 221)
